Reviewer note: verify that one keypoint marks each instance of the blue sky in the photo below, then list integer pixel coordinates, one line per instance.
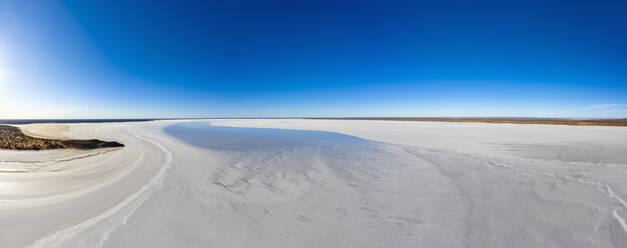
(113, 59)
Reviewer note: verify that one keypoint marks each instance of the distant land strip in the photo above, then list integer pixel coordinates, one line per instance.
(12, 138)
(510, 120)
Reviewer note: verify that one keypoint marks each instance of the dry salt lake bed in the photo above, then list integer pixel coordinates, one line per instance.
(318, 183)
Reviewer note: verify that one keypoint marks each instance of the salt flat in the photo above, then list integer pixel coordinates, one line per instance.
(321, 183)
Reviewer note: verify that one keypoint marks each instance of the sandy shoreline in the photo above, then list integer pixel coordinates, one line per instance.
(47, 131)
(355, 184)
(75, 184)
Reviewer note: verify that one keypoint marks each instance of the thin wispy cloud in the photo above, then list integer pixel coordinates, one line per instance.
(604, 110)
(606, 106)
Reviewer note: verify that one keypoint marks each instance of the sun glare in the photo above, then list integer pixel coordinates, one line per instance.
(3, 75)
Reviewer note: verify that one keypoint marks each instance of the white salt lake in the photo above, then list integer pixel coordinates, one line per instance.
(331, 183)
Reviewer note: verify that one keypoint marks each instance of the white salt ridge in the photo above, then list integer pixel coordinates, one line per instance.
(620, 220)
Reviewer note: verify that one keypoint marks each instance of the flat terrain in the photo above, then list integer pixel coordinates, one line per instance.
(547, 121)
(12, 138)
(321, 183)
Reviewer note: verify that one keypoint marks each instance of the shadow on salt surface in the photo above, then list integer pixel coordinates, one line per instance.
(203, 134)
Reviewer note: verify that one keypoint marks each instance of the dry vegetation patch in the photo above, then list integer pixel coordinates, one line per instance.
(13, 138)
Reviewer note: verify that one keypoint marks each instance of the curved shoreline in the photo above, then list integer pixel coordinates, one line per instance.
(98, 188)
(57, 238)
(46, 131)
(14, 138)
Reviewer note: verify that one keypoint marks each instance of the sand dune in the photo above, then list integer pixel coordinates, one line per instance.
(320, 183)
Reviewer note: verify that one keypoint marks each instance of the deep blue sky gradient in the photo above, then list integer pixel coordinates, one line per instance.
(316, 58)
